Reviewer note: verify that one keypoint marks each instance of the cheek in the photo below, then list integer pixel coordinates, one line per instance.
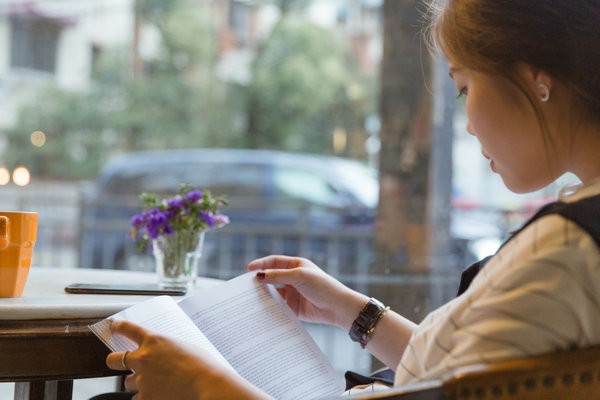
(476, 124)
(488, 116)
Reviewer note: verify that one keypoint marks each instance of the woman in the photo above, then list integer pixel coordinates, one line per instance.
(530, 73)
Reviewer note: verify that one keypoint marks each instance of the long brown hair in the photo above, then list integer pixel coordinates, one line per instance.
(560, 37)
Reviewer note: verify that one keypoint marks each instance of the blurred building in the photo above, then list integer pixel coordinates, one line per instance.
(57, 42)
(245, 23)
(54, 42)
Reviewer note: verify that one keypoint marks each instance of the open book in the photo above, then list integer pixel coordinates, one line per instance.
(247, 326)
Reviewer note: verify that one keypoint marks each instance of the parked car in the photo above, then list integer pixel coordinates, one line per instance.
(278, 202)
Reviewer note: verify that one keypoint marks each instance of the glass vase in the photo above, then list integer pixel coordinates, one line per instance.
(177, 257)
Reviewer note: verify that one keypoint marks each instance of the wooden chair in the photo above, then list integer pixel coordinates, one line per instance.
(568, 375)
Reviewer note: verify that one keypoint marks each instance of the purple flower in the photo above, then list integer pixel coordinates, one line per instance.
(154, 220)
(191, 210)
(168, 230)
(207, 217)
(152, 231)
(169, 214)
(194, 195)
(175, 203)
(137, 221)
(160, 218)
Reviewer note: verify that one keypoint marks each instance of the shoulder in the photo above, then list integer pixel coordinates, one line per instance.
(571, 225)
(549, 233)
(566, 224)
(550, 246)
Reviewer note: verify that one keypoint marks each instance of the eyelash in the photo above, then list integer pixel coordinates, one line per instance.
(462, 92)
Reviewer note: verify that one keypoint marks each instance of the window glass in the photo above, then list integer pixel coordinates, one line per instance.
(233, 180)
(297, 184)
(362, 180)
(33, 43)
(164, 177)
(89, 87)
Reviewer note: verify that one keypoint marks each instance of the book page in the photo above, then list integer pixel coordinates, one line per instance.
(250, 324)
(161, 315)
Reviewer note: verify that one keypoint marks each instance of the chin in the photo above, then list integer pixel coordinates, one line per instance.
(523, 186)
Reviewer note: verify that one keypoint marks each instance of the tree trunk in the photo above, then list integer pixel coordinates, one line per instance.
(137, 64)
(412, 229)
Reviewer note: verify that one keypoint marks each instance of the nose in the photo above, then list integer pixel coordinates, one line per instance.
(470, 128)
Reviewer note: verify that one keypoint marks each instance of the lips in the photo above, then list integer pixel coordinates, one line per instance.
(491, 161)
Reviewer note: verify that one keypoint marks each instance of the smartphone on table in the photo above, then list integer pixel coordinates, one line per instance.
(131, 289)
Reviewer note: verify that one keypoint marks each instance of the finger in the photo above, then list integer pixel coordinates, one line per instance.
(115, 361)
(281, 276)
(129, 330)
(131, 383)
(274, 262)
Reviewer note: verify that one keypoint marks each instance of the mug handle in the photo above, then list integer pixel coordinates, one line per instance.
(3, 232)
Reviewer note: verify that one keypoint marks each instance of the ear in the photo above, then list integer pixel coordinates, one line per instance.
(534, 77)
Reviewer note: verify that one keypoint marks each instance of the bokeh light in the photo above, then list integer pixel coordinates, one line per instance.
(21, 176)
(4, 176)
(38, 138)
(340, 140)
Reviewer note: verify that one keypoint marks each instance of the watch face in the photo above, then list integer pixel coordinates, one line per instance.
(366, 320)
(373, 308)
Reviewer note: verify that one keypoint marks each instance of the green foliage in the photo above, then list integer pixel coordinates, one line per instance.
(76, 135)
(174, 104)
(189, 37)
(303, 86)
(155, 9)
(288, 6)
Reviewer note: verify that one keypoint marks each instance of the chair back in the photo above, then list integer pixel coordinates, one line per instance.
(564, 375)
(571, 374)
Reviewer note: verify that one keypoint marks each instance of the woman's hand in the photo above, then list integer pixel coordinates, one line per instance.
(166, 369)
(317, 297)
(312, 294)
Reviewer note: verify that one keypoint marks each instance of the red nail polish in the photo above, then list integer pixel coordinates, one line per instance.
(260, 275)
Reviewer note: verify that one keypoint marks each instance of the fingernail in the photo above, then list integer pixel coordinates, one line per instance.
(260, 275)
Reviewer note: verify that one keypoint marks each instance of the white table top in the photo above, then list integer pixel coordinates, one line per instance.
(45, 298)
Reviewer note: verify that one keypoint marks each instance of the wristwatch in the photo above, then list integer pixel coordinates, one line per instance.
(364, 325)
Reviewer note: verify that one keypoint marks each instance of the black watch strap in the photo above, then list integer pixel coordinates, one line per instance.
(364, 324)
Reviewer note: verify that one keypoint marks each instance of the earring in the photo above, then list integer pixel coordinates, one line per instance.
(544, 92)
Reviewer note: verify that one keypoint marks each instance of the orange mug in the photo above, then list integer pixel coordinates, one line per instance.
(18, 233)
